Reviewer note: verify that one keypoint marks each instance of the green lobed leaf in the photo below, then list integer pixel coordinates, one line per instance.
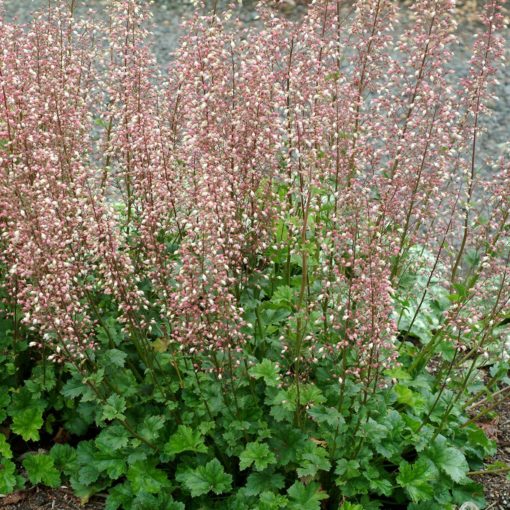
(283, 296)
(5, 449)
(114, 408)
(347, 469)
(310, 394)
(305, 497)
(73, 388)
(416, 480)
(351, 506)
(42, 379)
(282, 406)
(185, 440)
(271, 501)
(328, 415)
(41, 469)
(469, 492)
(96, 378)
(373, 431)
(381, 486)
(434, 506)
(113, 437)
(163, 501)
(267, 370)
(5, 400)
(85, 491)
(205, 479)
(408, 397)
(27, 422)
(479, 442)
(146, 478)
(449, 460)
(115, 357)
(151, 427)
(257, 454)
(87, 472)
(7, 477)
(258, 482)
(119, 496)
(113, 463)
(312, 460)
(64, 457)
(398, 373)
(287, 442)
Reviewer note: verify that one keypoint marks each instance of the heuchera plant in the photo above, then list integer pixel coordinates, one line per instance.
(273, 277)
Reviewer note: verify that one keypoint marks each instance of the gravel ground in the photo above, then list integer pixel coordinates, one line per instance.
(168, 14)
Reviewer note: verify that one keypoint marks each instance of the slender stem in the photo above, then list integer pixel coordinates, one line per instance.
(473, 163)
(497, 471)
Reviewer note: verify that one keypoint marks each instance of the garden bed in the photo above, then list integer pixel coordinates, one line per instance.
(274, 277)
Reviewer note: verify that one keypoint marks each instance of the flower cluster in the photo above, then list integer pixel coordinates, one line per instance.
(338, 142)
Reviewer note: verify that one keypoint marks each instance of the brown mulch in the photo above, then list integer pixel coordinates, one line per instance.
(42, 498)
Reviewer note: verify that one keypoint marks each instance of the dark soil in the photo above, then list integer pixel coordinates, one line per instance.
(40, 498)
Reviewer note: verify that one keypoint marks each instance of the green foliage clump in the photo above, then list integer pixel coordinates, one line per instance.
(192, 439)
